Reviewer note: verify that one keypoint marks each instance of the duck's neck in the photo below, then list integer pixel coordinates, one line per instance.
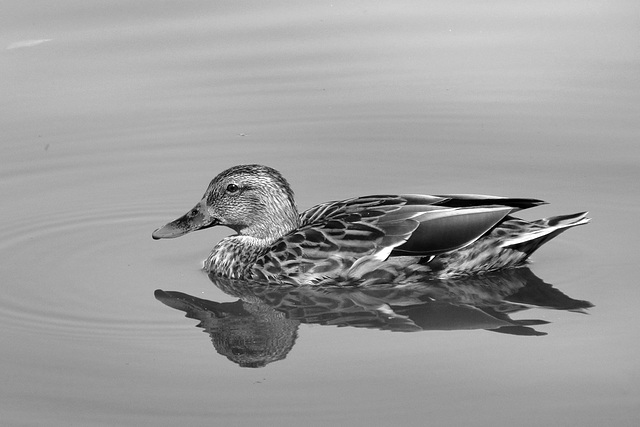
(276, 220)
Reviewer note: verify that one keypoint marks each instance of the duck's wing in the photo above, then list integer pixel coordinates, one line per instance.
(461, 221)
(335, 235)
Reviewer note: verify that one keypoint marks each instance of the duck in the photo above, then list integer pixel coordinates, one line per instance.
(362, 240)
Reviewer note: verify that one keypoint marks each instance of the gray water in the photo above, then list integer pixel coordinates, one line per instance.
(115, 116)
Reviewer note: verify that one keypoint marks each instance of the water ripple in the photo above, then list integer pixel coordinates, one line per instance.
(80, 272)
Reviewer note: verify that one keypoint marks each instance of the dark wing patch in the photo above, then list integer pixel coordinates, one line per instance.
(451, 228)
(475, 200)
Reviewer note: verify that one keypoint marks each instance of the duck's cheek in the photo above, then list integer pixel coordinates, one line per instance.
(235, 224)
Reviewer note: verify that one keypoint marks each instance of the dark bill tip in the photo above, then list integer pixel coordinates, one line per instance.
(169, 231)
(196, 219)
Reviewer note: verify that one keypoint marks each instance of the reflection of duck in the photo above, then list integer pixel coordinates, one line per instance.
(261, 327)
(364, 240)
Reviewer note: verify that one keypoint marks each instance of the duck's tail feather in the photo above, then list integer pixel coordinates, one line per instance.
(541, 231)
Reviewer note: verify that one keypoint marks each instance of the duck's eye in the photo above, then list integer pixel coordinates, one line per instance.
(232, 188)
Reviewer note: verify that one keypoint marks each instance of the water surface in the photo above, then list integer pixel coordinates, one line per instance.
(116, 115)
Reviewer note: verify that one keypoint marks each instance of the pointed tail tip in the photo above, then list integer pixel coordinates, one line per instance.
(580, 218)
(570, 220)
(585, 219)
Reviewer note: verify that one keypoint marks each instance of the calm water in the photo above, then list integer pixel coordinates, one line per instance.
(115, 115)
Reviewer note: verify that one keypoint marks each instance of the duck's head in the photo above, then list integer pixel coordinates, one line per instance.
(253, 200)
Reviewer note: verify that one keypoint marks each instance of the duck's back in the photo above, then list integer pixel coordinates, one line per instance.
(443, 234)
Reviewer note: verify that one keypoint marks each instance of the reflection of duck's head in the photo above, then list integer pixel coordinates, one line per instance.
(249, 334)
(255, 340)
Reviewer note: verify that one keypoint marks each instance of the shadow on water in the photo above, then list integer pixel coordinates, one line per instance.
(262, 325)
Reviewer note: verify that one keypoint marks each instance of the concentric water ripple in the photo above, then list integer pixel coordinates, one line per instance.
(83, 273)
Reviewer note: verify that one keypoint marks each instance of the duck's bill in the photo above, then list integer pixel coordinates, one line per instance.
(196, 219)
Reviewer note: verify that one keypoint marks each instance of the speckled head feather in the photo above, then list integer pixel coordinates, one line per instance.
(249, 174)
(253, 200)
